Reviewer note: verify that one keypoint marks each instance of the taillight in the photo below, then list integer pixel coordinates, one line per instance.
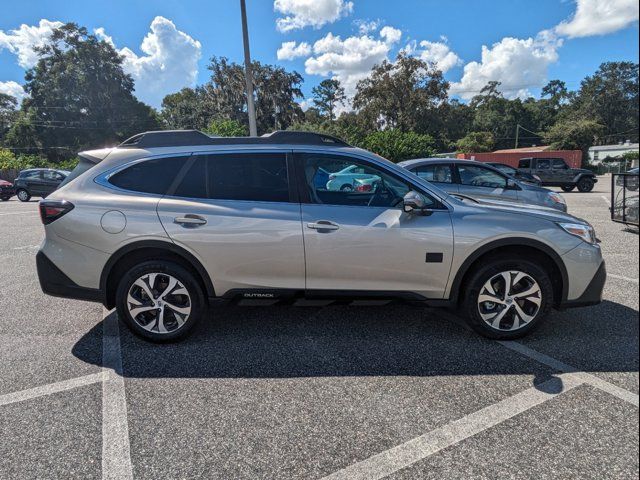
(51, 210)
(363, 188)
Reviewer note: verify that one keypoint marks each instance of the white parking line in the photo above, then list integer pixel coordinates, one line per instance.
(606, 200)
(620, 277)
(50, 388)
(116, 454)
(408, 453)
(27, 213)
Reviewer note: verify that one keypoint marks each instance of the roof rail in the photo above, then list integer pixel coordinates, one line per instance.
(177, 138)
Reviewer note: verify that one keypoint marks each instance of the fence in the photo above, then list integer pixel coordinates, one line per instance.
(624, 198)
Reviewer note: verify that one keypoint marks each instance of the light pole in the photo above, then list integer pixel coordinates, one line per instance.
(251, 110)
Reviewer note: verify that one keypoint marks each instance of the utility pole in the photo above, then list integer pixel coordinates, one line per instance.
(517, 132)
(251, 110)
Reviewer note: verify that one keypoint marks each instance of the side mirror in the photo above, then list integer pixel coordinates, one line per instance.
(512, 184)
(415, 203)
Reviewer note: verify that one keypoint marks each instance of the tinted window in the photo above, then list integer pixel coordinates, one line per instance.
(544, 164)
(524, 163)
(434, 173)
(52, 176)
(505, 168)
(149, 176)
(558, 164)
(338, 180)
(30, 175)
(480, 177)
(260, 177)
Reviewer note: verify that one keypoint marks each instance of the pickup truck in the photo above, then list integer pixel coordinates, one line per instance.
(554, 172)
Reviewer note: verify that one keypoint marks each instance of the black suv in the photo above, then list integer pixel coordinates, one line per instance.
(38, 182)
(554, 172)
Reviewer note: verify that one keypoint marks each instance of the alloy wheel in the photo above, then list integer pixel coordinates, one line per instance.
(23, 195)
(159, 303)
(509, 300)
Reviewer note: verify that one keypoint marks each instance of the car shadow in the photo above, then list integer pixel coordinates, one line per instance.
(393, 340)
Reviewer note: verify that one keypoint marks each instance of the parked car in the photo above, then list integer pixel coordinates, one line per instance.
(481, 181)
(6, 190)
(513, 172)
(170, 223)
(345, 179)
(554, 172)
(630, 181)
(38, 182)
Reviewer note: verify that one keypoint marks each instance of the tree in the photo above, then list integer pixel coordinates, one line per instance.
(400, 93)
(7, 113)
(227, 128)
(476, 142)
(327, 95)
(183, 110)
(79, 97)
(397, 145)
(574, 135)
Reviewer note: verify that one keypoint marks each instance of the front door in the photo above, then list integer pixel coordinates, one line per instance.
(235, 212)
(544, 171)
(561, 171)
(483, 183)
(362, 240)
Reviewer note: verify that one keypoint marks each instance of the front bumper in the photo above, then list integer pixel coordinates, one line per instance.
(6, 192)
(593, 293)
(55, 283)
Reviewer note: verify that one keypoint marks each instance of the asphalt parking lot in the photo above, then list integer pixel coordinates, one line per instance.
(342, 392)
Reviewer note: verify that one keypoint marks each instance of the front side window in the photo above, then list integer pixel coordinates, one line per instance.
(544, 164)
(258, 177)
(558, 164)
(149, 176)
(475, 176)
(434, 173)
(341, 180)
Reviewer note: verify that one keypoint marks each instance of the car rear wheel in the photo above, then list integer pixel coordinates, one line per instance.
(568, 188)
(160, 301)
(585, 184)
(346, 188)
(506, 298)
(23, 195)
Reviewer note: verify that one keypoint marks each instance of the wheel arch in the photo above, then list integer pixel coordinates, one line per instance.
(137, 252)
(519, 246)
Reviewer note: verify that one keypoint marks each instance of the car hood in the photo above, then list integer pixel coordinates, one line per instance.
(4, 183)
(537, 211)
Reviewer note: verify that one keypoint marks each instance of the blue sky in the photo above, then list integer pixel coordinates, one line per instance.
(526, 43)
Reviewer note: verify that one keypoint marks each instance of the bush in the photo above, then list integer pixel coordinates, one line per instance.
(397, 145)
(8, 161)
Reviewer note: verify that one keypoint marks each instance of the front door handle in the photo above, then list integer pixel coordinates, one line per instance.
(190, 220)
(323, 225)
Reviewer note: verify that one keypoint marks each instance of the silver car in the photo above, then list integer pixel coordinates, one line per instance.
(482, 181)
(170, 223)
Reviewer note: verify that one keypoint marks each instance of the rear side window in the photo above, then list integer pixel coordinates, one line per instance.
(149, 176)
(435, 173)
(524, 163)
(257, 177)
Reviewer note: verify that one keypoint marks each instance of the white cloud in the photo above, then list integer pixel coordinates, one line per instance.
(169, 64)
(21, 41)
(102, 35)
(14, 89)
(518, 63)
(309, 13)
(599, 17)
(350, 60)
(438, 53)
(366, 26)
(291, 50)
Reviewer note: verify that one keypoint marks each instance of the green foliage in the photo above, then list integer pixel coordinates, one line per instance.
(12, 162)
(572, 134)
(327, 95)
(227, 128)
(396, 145)
(476, 142)
(631, 156)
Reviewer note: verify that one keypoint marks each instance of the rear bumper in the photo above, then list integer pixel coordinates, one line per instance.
(7, 192)
(593, 293)
(55, 283)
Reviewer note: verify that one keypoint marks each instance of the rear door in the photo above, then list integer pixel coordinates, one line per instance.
(237, 212)
(440, 174)
(481, 182)
(50, 181)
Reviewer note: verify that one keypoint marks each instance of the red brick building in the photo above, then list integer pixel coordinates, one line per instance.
(512, 156)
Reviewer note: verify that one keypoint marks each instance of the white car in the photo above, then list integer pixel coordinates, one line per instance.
(345, 179)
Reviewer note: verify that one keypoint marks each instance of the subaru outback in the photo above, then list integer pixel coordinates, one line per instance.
(171, 223)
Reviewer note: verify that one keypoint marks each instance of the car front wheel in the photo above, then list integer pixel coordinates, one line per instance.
(506, 298)
(160, 300)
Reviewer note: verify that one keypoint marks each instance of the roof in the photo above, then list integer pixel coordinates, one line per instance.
(427, 161)
(624, 146)
(541, 148)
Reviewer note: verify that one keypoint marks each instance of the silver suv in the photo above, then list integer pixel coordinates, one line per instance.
(170, 223)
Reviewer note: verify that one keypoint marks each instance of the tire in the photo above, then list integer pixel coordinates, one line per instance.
(534, 305)
(23, 195)
(567, 188)
(585, 184)
(346, 188)
(187, 298)
(5, 199)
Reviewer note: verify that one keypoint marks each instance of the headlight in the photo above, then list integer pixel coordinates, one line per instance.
(585, 232)
(557, 198)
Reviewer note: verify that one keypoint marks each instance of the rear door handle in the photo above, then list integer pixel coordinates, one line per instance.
(323, 225)
(190, 220)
